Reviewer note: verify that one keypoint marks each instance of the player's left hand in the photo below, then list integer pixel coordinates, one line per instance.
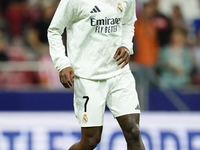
(122, 56)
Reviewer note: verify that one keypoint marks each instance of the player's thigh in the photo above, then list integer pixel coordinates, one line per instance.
(123, 98)
(89, 101)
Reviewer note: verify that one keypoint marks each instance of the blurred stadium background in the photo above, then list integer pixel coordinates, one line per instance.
(36, 112)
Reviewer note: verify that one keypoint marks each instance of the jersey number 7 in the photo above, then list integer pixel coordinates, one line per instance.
(87, 99)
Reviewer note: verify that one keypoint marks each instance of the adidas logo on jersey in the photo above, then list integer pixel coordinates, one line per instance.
(95, 10)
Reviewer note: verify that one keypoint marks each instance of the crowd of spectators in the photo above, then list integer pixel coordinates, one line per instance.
(164, 55)
(23, 38)
(167, 52)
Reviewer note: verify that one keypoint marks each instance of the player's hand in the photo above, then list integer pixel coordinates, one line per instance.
(122, 56)
(67, 77)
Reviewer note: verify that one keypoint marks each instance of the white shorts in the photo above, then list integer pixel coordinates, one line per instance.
(91, 96)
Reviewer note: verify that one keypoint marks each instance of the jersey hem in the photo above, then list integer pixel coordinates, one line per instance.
(104, 76)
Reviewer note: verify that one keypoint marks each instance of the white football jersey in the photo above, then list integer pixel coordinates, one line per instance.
(95, 30)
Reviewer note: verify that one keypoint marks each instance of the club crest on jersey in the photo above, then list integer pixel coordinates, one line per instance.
(119, 7)
(85, 118)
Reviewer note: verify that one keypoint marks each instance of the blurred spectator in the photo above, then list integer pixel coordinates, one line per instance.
(177, 19)
(163, 25)
(175, 62)
(38, 45)
(43, 24)
(196, 52)
(32, 13)
(15, 18)
(27, 21)
(146, 38)
(146, 53)
(48, 76)
(35, 47)
(18, 79)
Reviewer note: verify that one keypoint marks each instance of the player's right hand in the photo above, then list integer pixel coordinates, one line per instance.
(67, 77)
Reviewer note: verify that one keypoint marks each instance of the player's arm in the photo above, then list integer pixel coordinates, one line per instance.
(123, 53)
(62, 18)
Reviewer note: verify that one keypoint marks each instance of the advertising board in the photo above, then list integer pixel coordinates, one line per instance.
(59, 130)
